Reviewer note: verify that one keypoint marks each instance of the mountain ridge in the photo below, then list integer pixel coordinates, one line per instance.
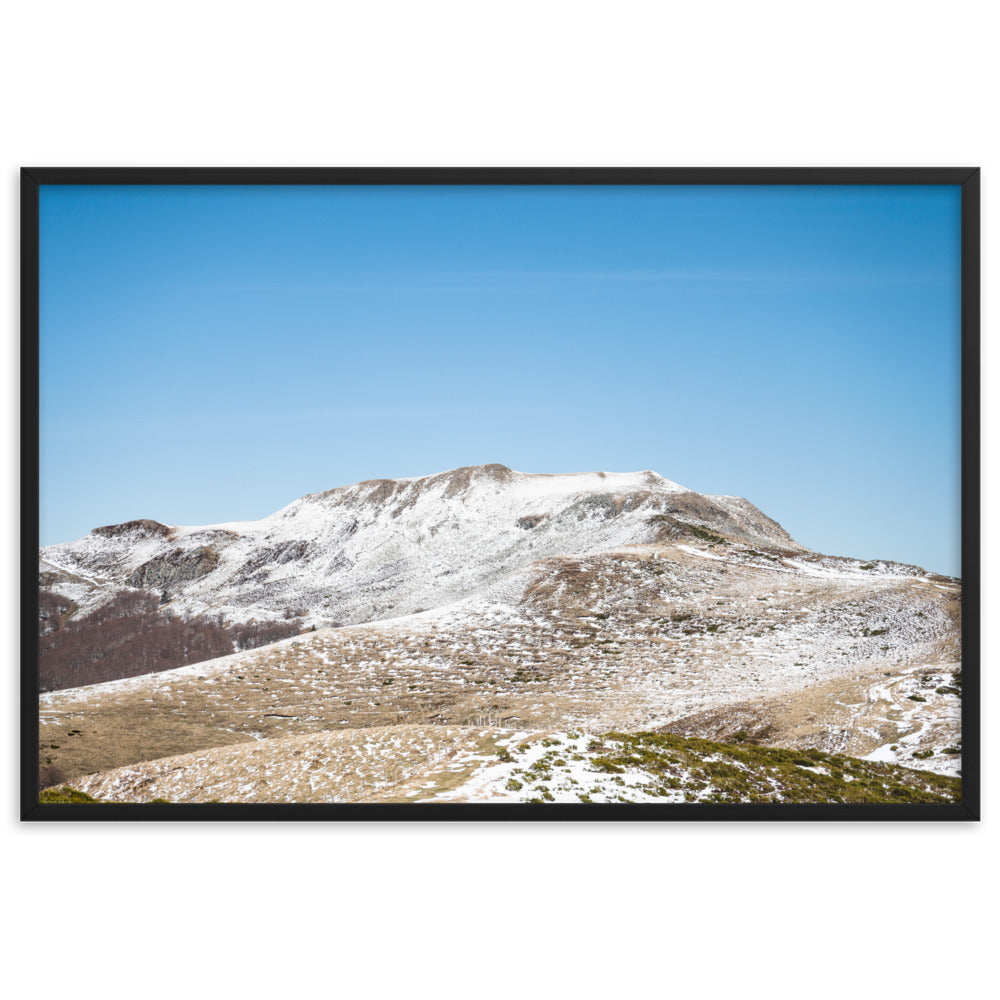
(483, 596)
(358, 552)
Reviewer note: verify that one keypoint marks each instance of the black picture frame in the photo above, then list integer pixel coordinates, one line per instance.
(33, 179)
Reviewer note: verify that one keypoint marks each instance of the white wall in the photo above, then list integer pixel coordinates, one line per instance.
(694, 911)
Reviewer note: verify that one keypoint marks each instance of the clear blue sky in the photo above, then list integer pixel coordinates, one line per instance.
(210, 354)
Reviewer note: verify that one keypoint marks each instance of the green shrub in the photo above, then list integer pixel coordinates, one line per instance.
(744, 772)
(64, 795)
(606, 765)
(705, 535)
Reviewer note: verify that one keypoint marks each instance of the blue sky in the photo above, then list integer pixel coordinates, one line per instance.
(211, 353)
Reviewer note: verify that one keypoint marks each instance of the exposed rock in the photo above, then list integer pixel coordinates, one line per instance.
(530, 520)
(273, 555)
(175, 567)
(378, 490)
(143, 527)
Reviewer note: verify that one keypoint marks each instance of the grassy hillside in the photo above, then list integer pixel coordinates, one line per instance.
(828, 656)
(489, 764)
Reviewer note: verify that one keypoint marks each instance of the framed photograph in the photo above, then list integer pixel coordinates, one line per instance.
(500, 494)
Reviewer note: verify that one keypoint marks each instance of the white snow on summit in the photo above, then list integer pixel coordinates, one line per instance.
(385, 548)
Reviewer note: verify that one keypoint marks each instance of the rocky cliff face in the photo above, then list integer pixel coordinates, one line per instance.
(386, 547)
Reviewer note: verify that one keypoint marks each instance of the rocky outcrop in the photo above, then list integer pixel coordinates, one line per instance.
(174, 567)
(257, 567)
(530, 521)
(143, 528)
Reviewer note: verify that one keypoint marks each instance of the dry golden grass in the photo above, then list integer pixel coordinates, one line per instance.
(392, 763)
(628, 640)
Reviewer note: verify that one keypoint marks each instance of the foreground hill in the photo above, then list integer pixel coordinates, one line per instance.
(456, 764)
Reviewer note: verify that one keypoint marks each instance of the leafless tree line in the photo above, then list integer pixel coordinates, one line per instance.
(133, 635)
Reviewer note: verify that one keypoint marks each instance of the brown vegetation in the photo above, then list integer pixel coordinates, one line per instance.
(133, 635)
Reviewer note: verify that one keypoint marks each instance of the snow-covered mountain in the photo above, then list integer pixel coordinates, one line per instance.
(385, 548)
(180, 662)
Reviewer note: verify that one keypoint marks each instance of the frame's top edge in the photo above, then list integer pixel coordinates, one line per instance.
(499, 175)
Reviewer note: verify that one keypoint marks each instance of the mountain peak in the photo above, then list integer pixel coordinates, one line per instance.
(495, 480)
(388, 547)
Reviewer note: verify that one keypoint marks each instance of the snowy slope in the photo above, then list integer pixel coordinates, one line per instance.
(386, 548)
